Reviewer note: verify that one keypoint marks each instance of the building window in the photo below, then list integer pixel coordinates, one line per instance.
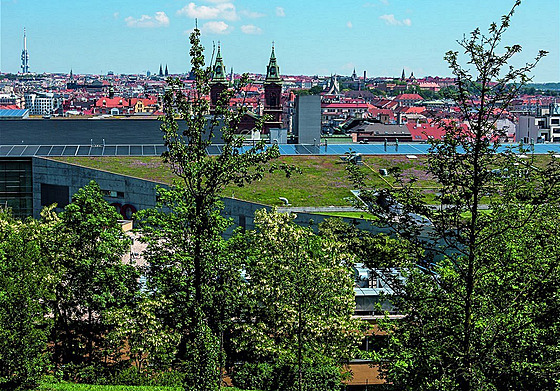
(55, 194)
(113, 193)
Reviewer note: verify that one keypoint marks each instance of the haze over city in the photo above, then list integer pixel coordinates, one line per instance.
(313, 37)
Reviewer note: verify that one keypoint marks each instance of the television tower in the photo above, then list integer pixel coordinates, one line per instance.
(24, 55)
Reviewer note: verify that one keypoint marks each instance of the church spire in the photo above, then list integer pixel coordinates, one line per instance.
(219, 71)
(273, 70)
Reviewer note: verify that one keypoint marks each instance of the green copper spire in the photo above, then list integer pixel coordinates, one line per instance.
(219, 71)
(273, 70)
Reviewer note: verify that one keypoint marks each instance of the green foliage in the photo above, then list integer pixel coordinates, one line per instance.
(136, 334)
(253, 375)
(47, 386)
(481, 301)
(24, 285)
(283, 376)
(187, 265)
(314, 376)
(300, 298)
(87, 250)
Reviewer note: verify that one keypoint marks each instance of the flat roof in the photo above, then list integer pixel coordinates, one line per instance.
(285, 149)
(12, 113)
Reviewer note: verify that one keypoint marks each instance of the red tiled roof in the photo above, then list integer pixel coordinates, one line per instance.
(424, 131)
(412, 110)
(120, 102)
(250, 88)
(408, 97)
(375, 112)
(345, 105)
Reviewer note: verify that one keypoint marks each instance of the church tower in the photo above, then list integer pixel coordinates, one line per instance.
(219, 81)
(273, 94)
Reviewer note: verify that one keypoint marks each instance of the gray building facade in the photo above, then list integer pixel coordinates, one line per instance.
(29, 184)
(307, 119)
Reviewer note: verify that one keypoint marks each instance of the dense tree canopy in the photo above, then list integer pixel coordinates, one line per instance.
(299, 300)
(25, 283)
(481, 294)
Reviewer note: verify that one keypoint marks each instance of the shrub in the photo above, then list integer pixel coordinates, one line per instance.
(252, 376)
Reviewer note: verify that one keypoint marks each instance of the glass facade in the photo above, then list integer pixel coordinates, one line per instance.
(16, 186)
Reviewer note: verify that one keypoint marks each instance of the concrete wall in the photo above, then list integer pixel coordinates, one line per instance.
(137, 192)
(243, 212)
(307, 119)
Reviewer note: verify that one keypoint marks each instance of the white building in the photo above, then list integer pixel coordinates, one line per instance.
(545, 127)
(41, 104)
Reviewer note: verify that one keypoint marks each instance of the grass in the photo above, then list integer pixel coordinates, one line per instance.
(91, 387)
(323, 181)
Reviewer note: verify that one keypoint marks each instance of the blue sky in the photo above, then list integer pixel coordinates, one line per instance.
(311, 36)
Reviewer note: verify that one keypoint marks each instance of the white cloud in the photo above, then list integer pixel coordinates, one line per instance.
(251, 29)
(219, 11)
(280, 12)
(160, 19)
(389, 19)
(392, 21)
(251, 14)
(349, 24)
(219, 27)
(116, 15)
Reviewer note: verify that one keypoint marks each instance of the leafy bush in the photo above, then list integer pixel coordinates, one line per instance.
(252, 376)
(284, 377)
(131, 376)
(86, 373)
(168, 379)
(316, 377)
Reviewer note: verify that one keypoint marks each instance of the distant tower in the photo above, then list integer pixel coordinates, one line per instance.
(333, 88)
(403, 76)
(166, 71)
(219, 80)
(273, 94)
(354, 75)
(71, 74)
(160, 70)
(24, 55)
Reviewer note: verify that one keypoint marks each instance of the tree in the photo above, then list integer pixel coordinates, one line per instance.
(300, 301)
(24, 286)
(91, 276)
(187, 264)
(484, 294)
(137, 335)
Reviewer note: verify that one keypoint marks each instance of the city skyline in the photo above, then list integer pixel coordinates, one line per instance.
(312, 38)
